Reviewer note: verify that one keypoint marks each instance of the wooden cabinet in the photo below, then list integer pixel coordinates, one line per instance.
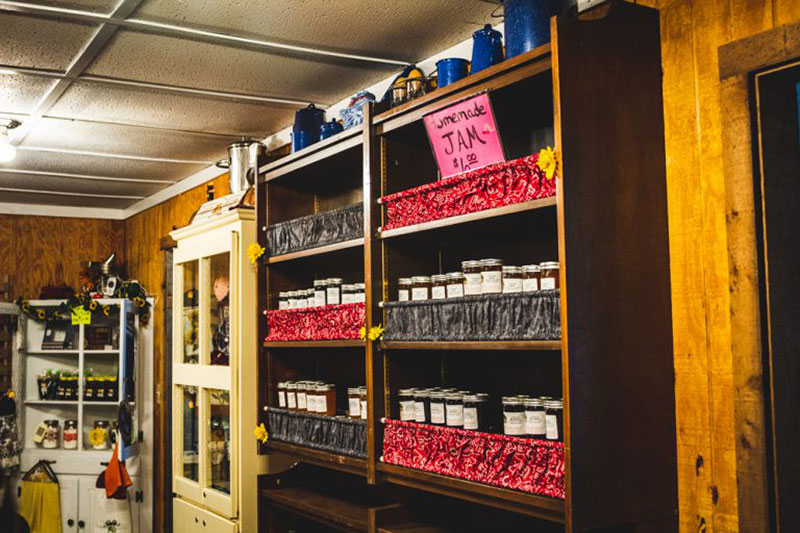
(594, 93)
(195, 519)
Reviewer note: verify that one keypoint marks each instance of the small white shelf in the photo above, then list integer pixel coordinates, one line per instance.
(101, 352)
(52, 352)
(50, 402)
(90, 403)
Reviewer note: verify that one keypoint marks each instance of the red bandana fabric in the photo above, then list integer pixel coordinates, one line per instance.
(512, 182)
(528, 465)
(332, 322)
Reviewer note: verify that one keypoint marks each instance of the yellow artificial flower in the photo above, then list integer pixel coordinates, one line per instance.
(375, 332)
(363, 332)
(254, 251)
(92, 305)
(40, 313)
(261, 434)
(548, 162)
(11, 394)
(106, 310)
(97, 436)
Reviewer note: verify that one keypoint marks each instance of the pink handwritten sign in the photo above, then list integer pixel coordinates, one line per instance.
(464, 136)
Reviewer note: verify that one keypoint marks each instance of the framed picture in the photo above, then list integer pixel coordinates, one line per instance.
(57, 336)
(99, 338)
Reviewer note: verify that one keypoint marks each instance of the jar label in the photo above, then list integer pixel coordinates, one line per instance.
(291, 400)
(473, 284)
(438, 293)
(437, 413)
(402, 296)
(455, 415)
(333, 295)
(281, 399)
(301, 400)
(530, 285)
(322, 403)
(360, 298)
(551, 423)
(512, 285)
(514, 423)
(283, 304)
(347, 298)
(408, 411)
(492, 281)
(534, 422)
(363, 409)
(456, 290)
(419, 412)
(470, 418)
(355, 407)
(319, 298)
(311, 403)
(548, 284)
(419, 293)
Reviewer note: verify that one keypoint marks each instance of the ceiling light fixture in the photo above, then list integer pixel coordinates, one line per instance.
(7, 150)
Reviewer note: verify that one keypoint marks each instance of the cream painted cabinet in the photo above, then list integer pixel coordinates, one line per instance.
(215, 460)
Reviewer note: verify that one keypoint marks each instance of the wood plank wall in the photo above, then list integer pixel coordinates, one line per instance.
(37, 251)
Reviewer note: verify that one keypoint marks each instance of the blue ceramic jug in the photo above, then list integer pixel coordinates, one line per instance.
(451, 70)
(527, 23)
(487, 48)
(329, 129)
(307, 123)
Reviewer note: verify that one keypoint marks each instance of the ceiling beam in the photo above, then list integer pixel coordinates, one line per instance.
(69, 193)
(111, 155)
(186, 32)
(83, 176)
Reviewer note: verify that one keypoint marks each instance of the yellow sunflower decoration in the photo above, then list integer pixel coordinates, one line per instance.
(260, 433)
(548, 162)
(363, 332)
(375, 332)
(254, 251)
(97, 436)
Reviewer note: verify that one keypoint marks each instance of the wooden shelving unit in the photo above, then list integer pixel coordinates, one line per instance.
(315, 251)
(344, 463)
(347, 343)
(600, 106)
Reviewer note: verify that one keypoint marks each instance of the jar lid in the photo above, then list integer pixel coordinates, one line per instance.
(512, 400)
(491, 262)
(549, 265)
(534, 402)
(471, 398)
(353, 390)
(420, 279)
(98, 423)
(423, 393)
(482, 396)
(51, 422)
(554, 404)
(281, 384)
(531, 268)
(438, 394)
(512, 269)
(291, 385)
(283, 294)
(455, 275)
(439, 277)
(360, 286)
(348, 287)
(334, 281)
(470, 264)
(406, 392)
(71, 423)
(450, 389)
(325, 387)
(404, 281)
(454, 396)
(320, 282)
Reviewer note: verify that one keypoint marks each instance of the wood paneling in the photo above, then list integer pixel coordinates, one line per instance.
(37, 251)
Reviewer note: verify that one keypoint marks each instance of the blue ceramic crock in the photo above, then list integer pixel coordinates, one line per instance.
(451, 70)
(527, 23)
(306, 129)
(329, 129)
(487, 48)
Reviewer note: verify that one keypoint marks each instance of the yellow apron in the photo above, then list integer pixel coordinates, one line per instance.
(41, 506)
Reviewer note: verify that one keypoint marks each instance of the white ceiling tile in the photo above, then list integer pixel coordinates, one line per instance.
(96, 101)
(38, 42)
(408, 30)
(72, 201)
(76, 185)
(95, 6)
(20, 93)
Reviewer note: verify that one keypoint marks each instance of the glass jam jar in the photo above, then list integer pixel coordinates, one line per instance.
(283, 300)
(291, 395)
(360, 294)
(420, 288)
(311, 396)
(512, 279)
(282, 394)
(534, 418)
(405, 397)
(473, 280)
(348, 293)
(50, 439)
(69, 439)
(530, 278)
(473, 412)
(301, 393)
(320, 289)
(549, 276)
(554, 419)
(311, 298)
(326, 399)
(333, 291)
(491, 276)
(403, 289)
(455, 285)
(436, 403)
(103, 442)
(439, 286)
(422, 406)
(291, 299)
(362, 397)
(454, 409)
(513, 416)
(353, 402)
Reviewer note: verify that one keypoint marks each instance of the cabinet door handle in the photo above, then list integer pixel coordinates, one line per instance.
(204, 523)
(80, 524)
(70, 522)
(196, 520)
(204, 494)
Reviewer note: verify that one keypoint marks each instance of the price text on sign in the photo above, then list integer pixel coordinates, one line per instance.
(464, 136)
(81, 316)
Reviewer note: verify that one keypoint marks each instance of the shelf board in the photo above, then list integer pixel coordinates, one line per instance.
(311, 154)
(511, 500)
(101, 352)
(52, 352)
(50, 402)
(344, 463)
(354, 243)
(471, 345)
(470, 217)
(340, 513)
(413, 527)
(115, 404)
(346, 343)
